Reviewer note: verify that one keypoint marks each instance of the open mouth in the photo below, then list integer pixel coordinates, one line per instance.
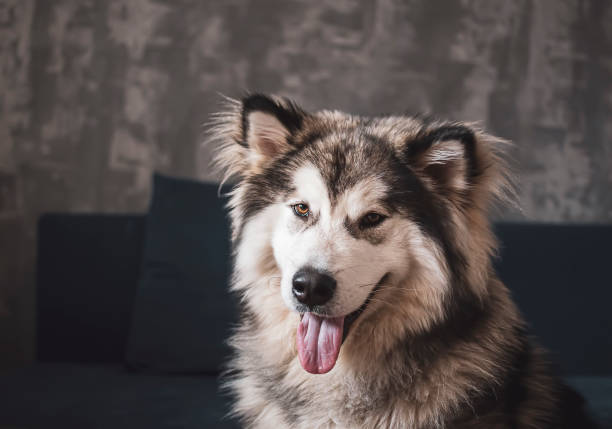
(319, 338)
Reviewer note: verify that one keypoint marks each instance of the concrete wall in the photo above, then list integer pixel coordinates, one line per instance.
(96, 95)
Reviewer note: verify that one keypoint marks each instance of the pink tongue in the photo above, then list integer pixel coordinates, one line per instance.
(318, 342)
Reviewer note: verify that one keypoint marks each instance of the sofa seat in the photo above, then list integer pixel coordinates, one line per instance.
(109, 397)
(49, 395)
(597, 391)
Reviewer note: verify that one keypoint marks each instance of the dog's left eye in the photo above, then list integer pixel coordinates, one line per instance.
(301, 209)
(371, 219)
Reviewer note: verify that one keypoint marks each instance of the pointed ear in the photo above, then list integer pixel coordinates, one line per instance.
(269, 126)
(253, 131)
(445, 157)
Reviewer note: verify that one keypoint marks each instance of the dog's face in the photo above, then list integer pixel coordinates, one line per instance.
(335, 244)
(352, 215)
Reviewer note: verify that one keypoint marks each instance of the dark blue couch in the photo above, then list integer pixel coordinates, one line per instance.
(88, 272)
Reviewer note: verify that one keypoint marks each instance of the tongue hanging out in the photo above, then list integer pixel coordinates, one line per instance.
(318, 342)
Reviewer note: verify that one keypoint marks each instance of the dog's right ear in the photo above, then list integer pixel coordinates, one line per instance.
(254, 131)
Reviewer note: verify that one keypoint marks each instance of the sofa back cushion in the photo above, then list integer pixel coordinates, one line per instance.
(89, 265)
(559, 275)
(88, 269)
(183, 311)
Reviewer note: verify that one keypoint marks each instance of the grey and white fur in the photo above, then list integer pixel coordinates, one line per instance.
(391, 211)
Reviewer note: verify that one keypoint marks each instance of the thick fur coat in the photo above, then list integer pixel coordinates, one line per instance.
(394, 211)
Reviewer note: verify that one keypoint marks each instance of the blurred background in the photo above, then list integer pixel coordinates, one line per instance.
(96, 95)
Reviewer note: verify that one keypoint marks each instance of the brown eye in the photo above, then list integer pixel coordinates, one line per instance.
(301, 210)
(371, 219)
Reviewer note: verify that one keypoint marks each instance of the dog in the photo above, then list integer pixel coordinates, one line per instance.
(363, 264)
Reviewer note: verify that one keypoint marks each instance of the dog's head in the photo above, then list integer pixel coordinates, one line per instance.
(350, 218)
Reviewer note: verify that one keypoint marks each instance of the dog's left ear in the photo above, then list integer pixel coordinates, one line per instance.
(256, 130)
(462, 163)
(445, 157)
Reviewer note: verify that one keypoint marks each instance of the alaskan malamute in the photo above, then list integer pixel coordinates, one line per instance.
(363, 265)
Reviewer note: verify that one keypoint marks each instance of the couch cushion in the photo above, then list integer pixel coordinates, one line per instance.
(559, 276)
(108, 397)
(88, 270)
(183, 309)
(597, 391)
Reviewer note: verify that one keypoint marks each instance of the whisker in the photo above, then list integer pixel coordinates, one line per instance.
(345, 268)
(395, 287)
(366, 284)
(384, 302)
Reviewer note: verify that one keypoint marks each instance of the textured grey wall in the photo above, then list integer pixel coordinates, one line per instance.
(95, 95)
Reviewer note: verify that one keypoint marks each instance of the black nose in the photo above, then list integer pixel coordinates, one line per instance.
(312, 287)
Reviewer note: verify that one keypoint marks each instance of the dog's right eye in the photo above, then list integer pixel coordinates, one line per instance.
(301, 209)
